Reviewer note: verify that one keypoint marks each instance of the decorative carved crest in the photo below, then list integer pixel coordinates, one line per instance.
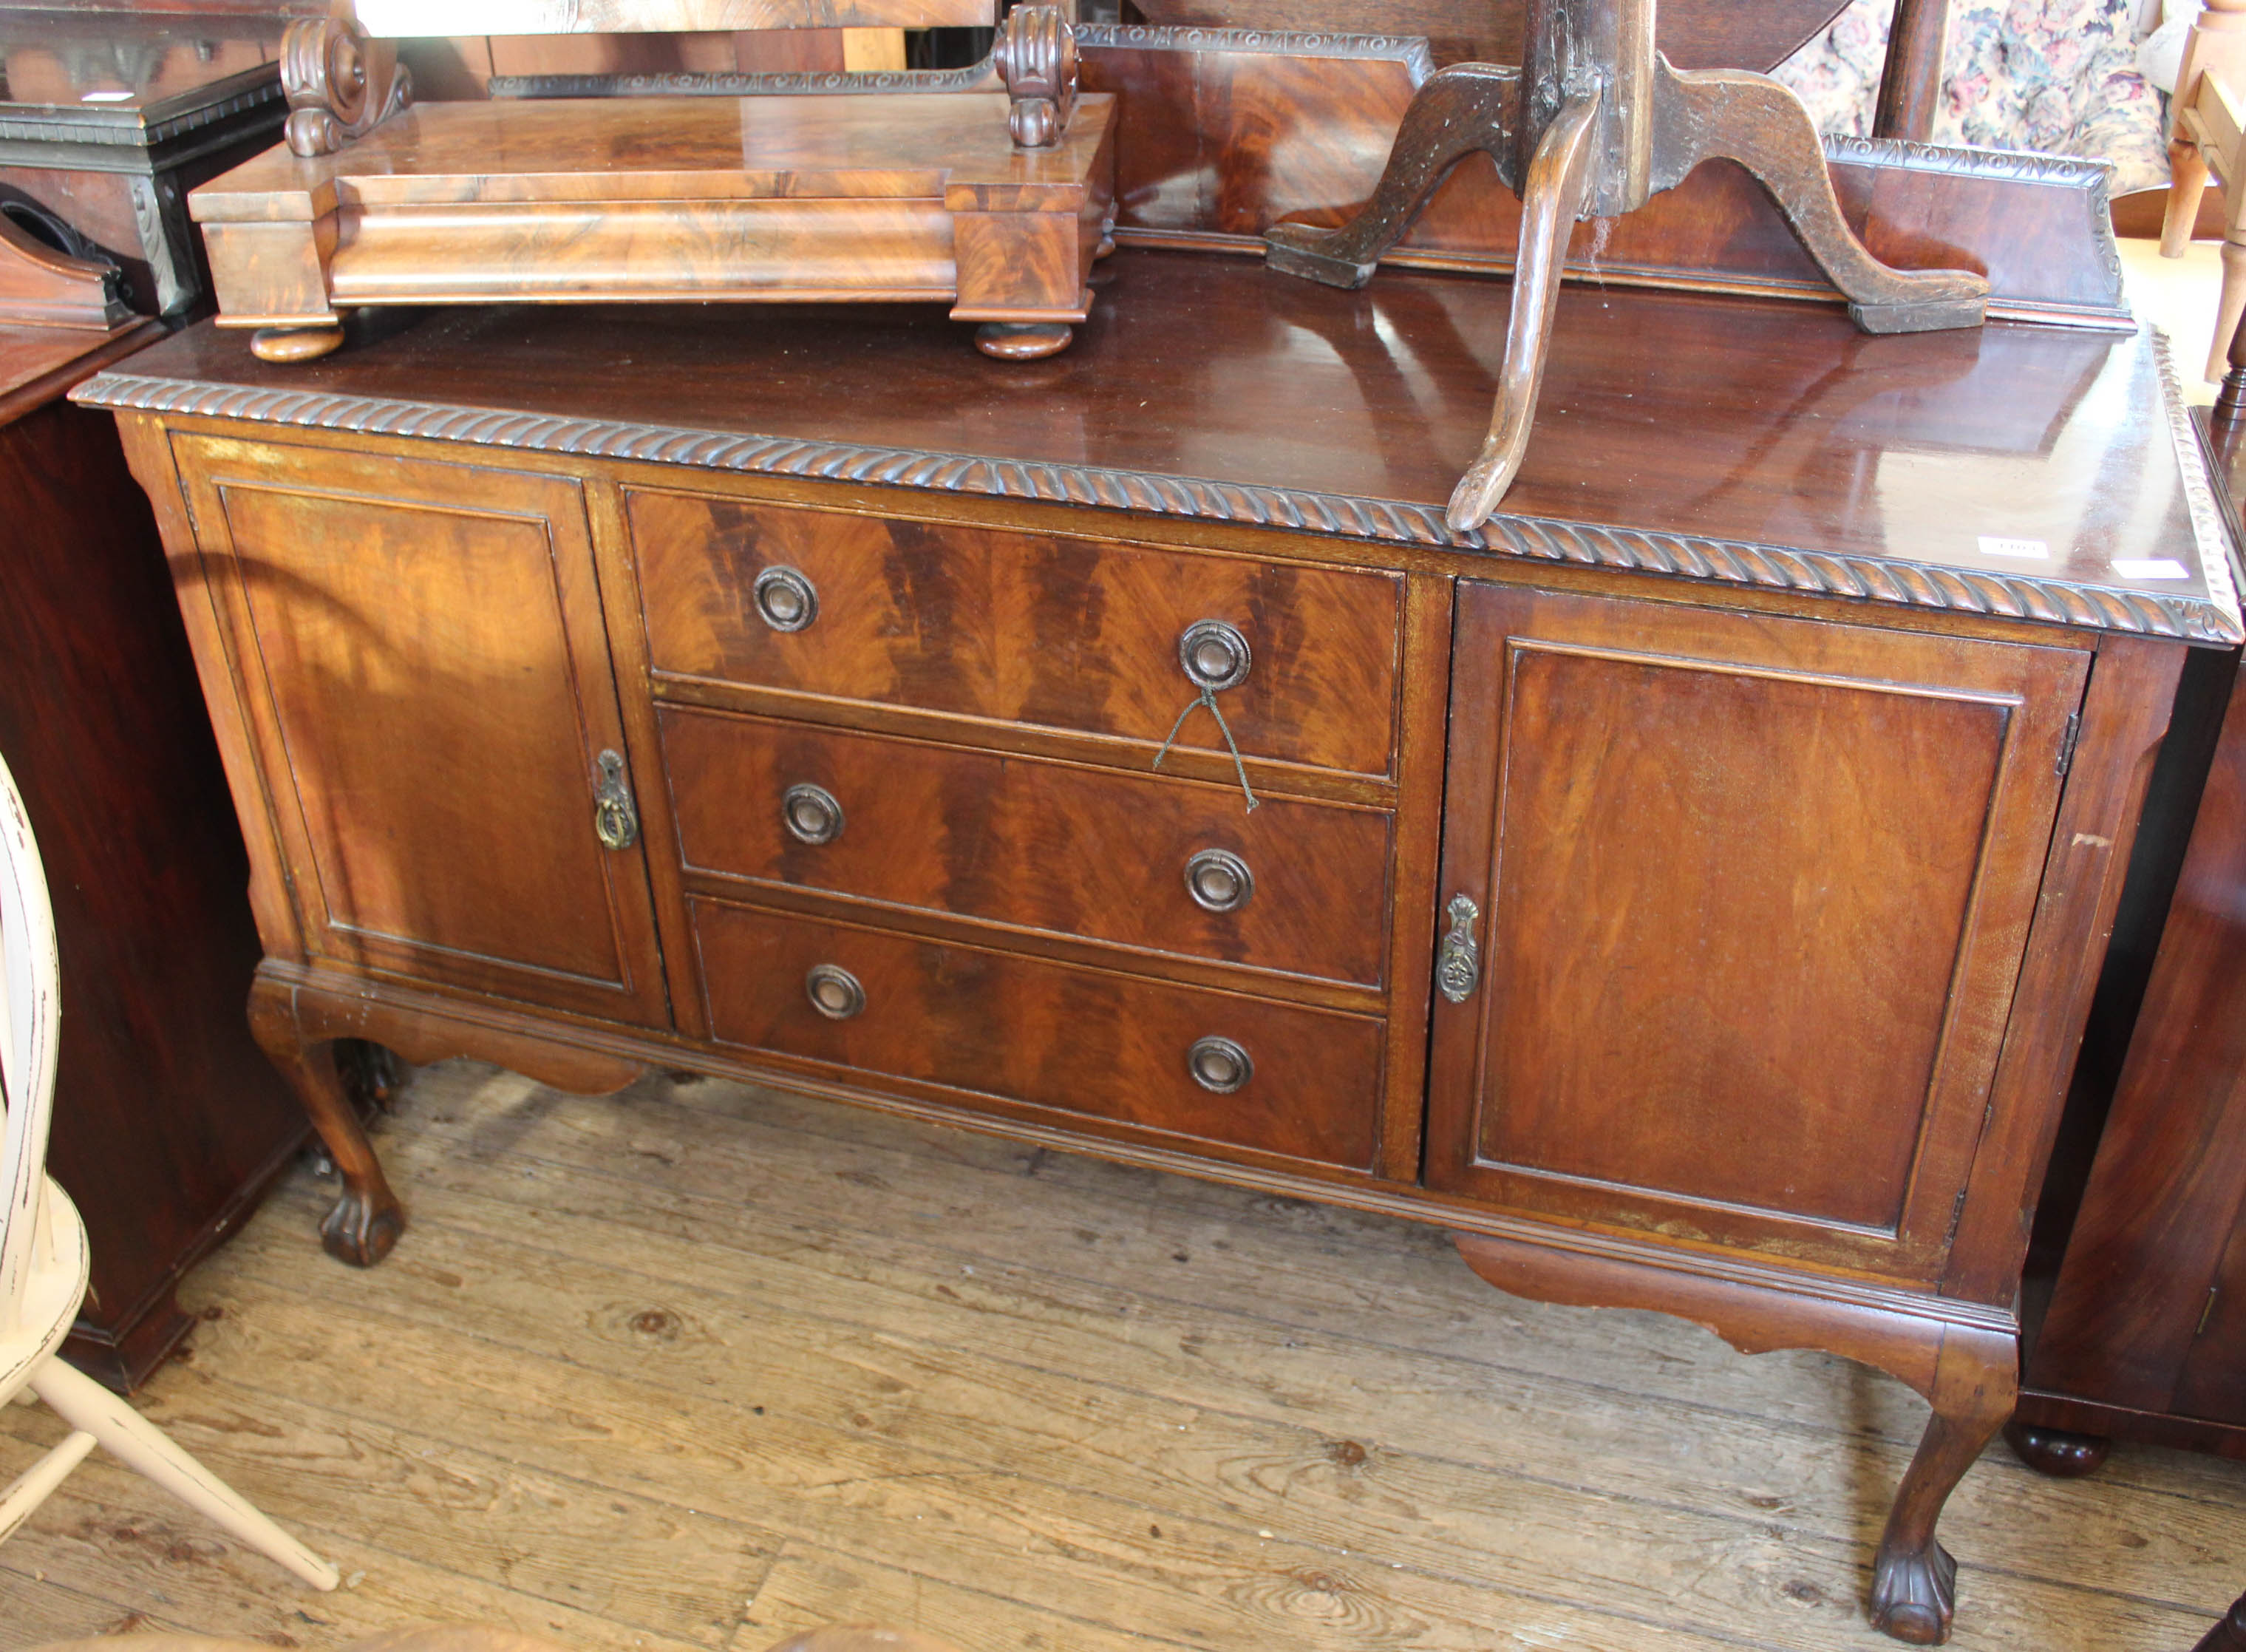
(340, 83)
(1036, 55)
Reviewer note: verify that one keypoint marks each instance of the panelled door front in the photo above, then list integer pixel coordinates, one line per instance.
(422, 660)
(1747, 897)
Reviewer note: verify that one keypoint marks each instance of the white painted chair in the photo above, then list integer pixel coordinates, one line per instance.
(42, 1250)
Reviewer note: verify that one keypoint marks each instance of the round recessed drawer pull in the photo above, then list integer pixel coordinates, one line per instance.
(1215, 655)
(811, 814)
(833, 992)
(1219, 881)
(1219, 1064)
(786, 600)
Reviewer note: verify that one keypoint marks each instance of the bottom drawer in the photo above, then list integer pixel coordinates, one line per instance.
(1214, 1066)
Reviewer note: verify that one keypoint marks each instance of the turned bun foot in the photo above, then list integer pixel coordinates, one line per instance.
(295, 343)
(360, 1232)
(1912, 1594)
(2055, 1452)
(1017, 341)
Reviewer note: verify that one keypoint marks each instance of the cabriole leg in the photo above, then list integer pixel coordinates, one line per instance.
(1913, 1579)
(367, 1219)
(1465, 107)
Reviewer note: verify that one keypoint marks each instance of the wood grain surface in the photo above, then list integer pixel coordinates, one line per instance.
(1212, 390)
(1062, 1039)
(1754, 896)
(718, 1365)
(379, 598)
(1031, 845)
(1058, 632)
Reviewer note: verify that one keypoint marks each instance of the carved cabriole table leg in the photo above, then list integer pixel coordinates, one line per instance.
(1728, 114)
(1460, 110)
(1968, 1372)
(1551, 202)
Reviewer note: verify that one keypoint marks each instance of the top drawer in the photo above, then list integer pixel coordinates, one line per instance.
(1063, 633)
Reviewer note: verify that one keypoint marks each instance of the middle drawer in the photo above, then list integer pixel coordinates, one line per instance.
(1165, 865)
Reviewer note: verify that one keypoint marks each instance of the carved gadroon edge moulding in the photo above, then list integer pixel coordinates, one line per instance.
(2008, 596)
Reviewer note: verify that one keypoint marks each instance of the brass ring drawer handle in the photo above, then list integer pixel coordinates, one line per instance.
(1219, 1064)
(833, 992)
(785, 599)
(1219, 881)
(1213, 654)
(811, 814)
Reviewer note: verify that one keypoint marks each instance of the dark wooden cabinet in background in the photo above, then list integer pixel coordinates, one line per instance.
(108, 118)
(168, 1121)
(2141, 1263)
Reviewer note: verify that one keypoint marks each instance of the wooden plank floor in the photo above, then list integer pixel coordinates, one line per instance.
(700, 1365)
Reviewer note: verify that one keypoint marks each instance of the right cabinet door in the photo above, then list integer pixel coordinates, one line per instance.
(1749, 896)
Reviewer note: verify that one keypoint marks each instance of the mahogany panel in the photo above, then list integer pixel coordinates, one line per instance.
(1077, 1040)
(1064, 633)
(373, 599)
(1038, 845)
(1755, 896)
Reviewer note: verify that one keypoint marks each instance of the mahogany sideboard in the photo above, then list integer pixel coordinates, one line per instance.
(169, 1122)
(1688, 889)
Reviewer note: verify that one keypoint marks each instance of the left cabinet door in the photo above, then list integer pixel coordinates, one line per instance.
(421, 658)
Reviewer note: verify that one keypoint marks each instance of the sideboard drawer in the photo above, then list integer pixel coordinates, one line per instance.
(1174, 866)
(1058, 633)
(1053, 1035)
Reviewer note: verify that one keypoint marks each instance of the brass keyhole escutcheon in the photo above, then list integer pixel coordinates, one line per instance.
(615, 819)
(833, 992)
(1215, 655)
(1219, 881)
(786, 598)
(811, 814)
(1219, 1064)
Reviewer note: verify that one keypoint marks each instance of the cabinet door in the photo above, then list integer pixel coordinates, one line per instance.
(1753, 895)
(422, 659)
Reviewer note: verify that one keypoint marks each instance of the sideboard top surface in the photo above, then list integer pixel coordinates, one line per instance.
(2042, 472)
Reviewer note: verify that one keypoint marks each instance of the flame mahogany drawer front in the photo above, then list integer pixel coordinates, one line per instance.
(1165, 865)
(1058, 633)
(1174, 1061)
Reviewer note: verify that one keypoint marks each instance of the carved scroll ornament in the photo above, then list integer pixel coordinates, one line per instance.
(340, 85)
(1036, 56)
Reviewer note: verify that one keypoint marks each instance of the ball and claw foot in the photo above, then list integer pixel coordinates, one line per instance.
(1015, 341)
(1913, 1593)
(295, 343)
(360, 1232)
(2055, 1452)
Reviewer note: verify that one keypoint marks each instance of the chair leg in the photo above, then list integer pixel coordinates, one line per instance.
(139, 1444)
(33, 1485)
(2229, 307)
(2186, 182)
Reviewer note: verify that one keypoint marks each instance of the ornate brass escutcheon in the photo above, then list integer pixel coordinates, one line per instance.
(1457, 965)
(615, 821)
